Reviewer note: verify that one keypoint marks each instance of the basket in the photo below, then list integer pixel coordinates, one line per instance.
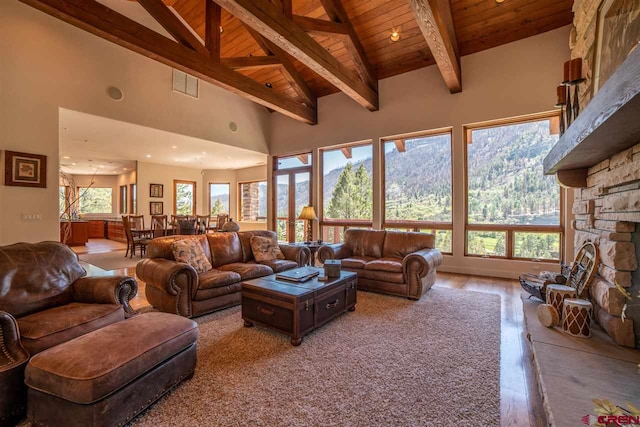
(535, 289)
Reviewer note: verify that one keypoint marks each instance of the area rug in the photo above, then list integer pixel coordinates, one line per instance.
(113, 260)
(392, 362)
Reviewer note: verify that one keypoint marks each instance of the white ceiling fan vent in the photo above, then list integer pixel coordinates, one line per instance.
(185, 84)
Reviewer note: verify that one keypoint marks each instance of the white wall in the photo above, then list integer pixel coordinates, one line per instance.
(46, 64)
(511, 80)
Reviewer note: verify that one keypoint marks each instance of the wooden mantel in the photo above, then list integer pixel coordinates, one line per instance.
(609, 124)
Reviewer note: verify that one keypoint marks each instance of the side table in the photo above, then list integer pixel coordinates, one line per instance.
(313, 247)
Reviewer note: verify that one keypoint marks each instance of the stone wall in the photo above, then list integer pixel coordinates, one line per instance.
(607, 212)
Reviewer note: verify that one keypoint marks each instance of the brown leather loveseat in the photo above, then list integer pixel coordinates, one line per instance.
(45, 300)
(176, 287)
(391, 262)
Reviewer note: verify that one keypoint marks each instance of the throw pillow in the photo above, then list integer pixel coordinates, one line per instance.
(265, 249)
(190, 252)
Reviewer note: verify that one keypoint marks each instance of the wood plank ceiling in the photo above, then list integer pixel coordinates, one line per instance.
(476, 25)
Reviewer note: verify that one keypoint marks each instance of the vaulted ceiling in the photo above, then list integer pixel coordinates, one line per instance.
(284, 54)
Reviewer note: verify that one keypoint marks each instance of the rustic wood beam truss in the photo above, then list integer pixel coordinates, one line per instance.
(273, 24)
(436, 23)
(320, 26)
(213, 20)
(251, 62)
(104, 22)
(400, 145)
(346, 152)
(293, 77)
(170, 22)
(336, 12)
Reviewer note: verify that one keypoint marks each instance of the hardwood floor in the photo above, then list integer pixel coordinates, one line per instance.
(520, 403)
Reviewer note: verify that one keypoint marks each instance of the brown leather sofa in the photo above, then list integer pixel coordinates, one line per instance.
(177, 288)
(45, 300)
(391, 262)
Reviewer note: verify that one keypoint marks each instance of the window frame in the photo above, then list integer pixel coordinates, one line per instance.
(81, 193)
(415, 225)
(240, 184)
(228, 184)
(123, 196)
(175, 195)
(509, 229)
(133, 198)
(337, 223)
(291, 173)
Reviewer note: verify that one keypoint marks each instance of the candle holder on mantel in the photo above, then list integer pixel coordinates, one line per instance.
(562, 100)
(566, 82)
(575, 78)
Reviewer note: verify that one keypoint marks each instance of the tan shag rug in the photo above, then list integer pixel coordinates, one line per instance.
(392, 362)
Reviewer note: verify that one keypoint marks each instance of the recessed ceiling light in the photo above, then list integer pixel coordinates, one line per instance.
(204, 152)
(395, 35)
(148, 156)
(228, 157)
(74, 163)
(499, 1)
(269, 85)
(124, 169)
(221, 30)
(66, 157)
(174, 146)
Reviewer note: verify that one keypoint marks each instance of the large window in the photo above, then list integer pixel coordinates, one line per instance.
(133, 207)
(62, 199)
(513, 210)
(218, 199)
(95, 200)
(123, 199)
(184, 200)
(417, 189)
(253, 201)
(347, 189)
(292, 192)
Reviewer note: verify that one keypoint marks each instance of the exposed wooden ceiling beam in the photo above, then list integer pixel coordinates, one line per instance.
(346, 152)
(320, 26)
(304, 158)
(287, 8)
(400, 145)
(271, 22)
(251, 62)
(213, 20)
(291, 74)
(104, 22)
(336, 12)
(170, 22)
(435, 22)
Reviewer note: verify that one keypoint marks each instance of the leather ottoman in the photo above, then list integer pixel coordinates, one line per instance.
(107, 377)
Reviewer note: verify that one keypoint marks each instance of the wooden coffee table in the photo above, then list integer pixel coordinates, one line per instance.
(296, 309)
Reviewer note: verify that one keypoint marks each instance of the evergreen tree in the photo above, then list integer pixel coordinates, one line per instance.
(217, 207)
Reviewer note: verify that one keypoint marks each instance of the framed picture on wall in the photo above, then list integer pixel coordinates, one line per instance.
(617, 34)
(156, 208)
(25, 170)
(156, 190)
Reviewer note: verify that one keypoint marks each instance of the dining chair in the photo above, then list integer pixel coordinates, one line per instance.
(133, 241)
(158, 225)
(202, 223)
(220, 221)
(186, 226)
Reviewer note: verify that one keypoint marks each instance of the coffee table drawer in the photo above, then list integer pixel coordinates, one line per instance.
(268, 314)
(330, 305)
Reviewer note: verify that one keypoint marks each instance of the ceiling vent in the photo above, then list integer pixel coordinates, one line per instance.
(185, 84)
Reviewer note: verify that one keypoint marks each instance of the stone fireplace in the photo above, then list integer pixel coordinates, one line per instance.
(599, 157)
(607, 212)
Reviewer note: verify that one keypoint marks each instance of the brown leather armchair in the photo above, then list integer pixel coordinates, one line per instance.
(45, 300)
(177, 288)
(391, 262)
